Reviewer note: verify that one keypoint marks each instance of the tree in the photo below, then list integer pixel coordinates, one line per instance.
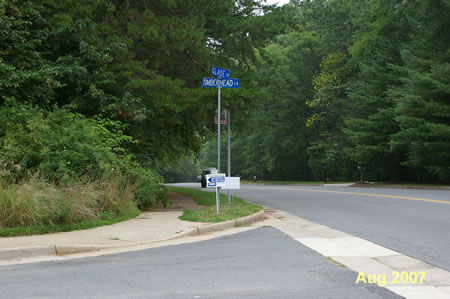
(326, 153)
(139, 62)
(24, 73)
(370, 119)
(276, 139)
(422, 107)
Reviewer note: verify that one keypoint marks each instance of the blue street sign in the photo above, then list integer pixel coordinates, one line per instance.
(220, 179)
(220, 72)
(216, 82)
(215, 180)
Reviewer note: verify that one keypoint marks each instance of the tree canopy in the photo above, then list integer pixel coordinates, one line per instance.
(353, 82)
(324, 85)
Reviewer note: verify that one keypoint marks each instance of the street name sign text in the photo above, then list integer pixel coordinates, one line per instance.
(224, 83)
(215, 180)
(220, 72)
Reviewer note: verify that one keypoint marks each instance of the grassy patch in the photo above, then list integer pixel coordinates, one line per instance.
(47, 229)
(237, 209)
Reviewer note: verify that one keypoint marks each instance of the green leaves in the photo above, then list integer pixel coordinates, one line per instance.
(355, 81)
(60, 146)
(402, 112)
(335, 82)
(424, 115)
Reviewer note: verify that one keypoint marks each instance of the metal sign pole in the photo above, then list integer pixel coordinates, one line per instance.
(218, 128)
(218, 147)
(229, 152)
(218, 199)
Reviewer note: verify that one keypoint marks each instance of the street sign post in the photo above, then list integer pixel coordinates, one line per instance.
(229, 152)
(221, 80)
(216, 181)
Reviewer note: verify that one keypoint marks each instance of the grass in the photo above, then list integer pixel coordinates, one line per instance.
(47, 229)
(37, 207)
(237, 209)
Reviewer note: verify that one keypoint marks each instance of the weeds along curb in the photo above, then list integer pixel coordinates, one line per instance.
(61, 250)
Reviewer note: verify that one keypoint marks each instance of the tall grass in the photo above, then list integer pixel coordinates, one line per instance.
(38, 203)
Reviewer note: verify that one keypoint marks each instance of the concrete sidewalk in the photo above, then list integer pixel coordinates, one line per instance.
(149, 227)
(364, 257)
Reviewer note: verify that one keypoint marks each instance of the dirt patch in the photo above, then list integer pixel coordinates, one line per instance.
(179, 201)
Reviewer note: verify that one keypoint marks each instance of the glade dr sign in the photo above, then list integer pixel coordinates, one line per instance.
(220, 72)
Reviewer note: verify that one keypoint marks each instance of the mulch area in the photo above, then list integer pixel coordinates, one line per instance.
(179, 202)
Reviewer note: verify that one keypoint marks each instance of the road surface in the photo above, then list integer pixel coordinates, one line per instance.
(261, 263)
(413, 222)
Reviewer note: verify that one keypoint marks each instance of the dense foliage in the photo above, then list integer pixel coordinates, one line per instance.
(61, 146)
(354, 82)
(93, 91)
(139, 62)
(91, 88)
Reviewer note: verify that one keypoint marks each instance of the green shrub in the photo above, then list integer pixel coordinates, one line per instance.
(149, 191)
(69, 151)
(60, 146)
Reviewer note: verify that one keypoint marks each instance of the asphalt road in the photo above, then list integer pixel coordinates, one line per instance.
(413, 222)
(261, 263)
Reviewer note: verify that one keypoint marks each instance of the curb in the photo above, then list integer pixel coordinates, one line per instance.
(7, 254)
(28, 252)
(215, 227)
(64, 249)
(401, 187)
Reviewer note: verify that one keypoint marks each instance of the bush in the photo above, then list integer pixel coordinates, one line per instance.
(70, 152)
(60, 146)
(149, 191)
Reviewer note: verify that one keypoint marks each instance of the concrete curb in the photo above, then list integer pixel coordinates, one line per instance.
(64, 249)
(205, 229)
(7, 254)
(28, 252)
(214, 227)
(401, 187)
